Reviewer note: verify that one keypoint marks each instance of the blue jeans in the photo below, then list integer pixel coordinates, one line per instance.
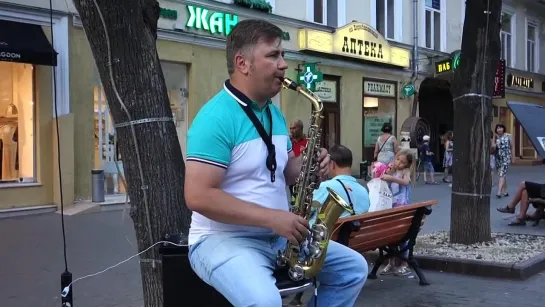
(240, 267)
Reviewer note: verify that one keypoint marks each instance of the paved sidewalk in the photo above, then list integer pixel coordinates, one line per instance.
(32, 264)
(440, 217)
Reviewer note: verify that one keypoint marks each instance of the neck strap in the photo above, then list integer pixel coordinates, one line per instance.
(246, 105)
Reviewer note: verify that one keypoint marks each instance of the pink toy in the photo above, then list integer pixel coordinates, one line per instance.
(378, 169)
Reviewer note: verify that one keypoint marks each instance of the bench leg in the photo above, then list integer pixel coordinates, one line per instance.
(414, 265)
(376, 266)
(297, 300)
(540, 215)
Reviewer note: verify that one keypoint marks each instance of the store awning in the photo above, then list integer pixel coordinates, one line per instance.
(530, 117)
(25, 43)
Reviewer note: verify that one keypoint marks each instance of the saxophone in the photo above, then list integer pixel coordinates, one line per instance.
(305, 260)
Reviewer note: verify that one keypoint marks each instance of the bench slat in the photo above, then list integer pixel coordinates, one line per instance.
(379, 242)
(384, 220)
(379, 235)
(371, 215)
(373, 229)
(540, 201)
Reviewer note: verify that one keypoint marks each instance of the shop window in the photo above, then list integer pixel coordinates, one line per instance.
(107, 153)
(176, 82)
(376, 112)
(17, 125)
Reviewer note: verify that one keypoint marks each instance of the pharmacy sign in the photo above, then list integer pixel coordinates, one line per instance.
(309, 76)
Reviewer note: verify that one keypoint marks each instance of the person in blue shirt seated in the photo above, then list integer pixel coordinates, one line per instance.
(342, 182)
(345, 185)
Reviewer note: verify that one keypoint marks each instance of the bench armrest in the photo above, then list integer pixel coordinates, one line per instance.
(354, 225)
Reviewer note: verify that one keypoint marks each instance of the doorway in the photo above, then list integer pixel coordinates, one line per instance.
(329, 92)
(435, 106)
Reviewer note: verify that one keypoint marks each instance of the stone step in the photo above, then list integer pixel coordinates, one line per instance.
(24, 211)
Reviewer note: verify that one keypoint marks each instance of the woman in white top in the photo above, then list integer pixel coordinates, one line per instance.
(386, 146)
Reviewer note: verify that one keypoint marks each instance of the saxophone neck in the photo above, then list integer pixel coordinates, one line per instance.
(314, 99)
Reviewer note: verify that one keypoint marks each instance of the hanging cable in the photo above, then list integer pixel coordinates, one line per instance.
(66, 290)
(483, 90)
(66, 276)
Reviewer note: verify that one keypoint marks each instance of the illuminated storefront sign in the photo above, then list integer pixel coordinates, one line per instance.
(202, 19)
(499, 81)
(356, 40)
(443, 66)
(518, 81)
(212, 22)
(448, 65)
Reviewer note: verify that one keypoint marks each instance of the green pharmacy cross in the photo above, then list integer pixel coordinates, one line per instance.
(309, 76)
(456, 61)
(408, 90)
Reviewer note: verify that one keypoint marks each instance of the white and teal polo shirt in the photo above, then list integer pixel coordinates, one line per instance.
(222, 135)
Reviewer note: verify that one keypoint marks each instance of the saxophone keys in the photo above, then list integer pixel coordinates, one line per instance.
(315, 250)
(319, 232)
(296, 273)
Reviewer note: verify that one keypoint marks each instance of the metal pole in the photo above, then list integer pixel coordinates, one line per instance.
(415, 54)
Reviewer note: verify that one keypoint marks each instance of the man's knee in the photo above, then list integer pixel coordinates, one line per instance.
(360, 269)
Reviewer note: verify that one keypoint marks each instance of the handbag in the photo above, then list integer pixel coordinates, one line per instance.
(375, 158)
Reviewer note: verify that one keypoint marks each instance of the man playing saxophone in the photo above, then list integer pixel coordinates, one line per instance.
(241, 216)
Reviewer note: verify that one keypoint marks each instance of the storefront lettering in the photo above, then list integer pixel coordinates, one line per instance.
(450, 64)
(443, 66)
(327, 90)
(378, 89)
(371, 49)
(355, 40)
(10, 55)
(168, 13)
(216, 22)
(519, 81)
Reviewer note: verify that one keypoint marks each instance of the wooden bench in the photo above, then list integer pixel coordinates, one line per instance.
(363, 233)
(539, 204)
(385, 230)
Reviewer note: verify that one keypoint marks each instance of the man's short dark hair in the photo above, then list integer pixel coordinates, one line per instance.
(341, 155)
(246, 34)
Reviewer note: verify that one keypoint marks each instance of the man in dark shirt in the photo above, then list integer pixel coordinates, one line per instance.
(426, 158)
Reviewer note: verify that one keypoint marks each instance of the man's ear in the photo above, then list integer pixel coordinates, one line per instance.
(241, 63)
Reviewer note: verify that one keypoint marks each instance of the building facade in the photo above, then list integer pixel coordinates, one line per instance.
(520, 74)
(362, 57)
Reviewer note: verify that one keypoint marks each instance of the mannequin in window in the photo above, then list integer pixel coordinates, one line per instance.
(9, 145)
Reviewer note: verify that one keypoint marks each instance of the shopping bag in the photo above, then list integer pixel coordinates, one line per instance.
(380, 196)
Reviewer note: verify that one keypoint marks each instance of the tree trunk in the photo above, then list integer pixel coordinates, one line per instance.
(137, 84)
(470, 213)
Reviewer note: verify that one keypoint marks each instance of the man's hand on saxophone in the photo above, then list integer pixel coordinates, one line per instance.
(294, 166)
(288, 225)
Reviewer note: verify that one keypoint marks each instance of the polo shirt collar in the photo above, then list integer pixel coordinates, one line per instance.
(345, 177)
(243, 99)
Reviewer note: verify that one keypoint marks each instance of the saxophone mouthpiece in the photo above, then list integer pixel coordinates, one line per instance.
(292, 85)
